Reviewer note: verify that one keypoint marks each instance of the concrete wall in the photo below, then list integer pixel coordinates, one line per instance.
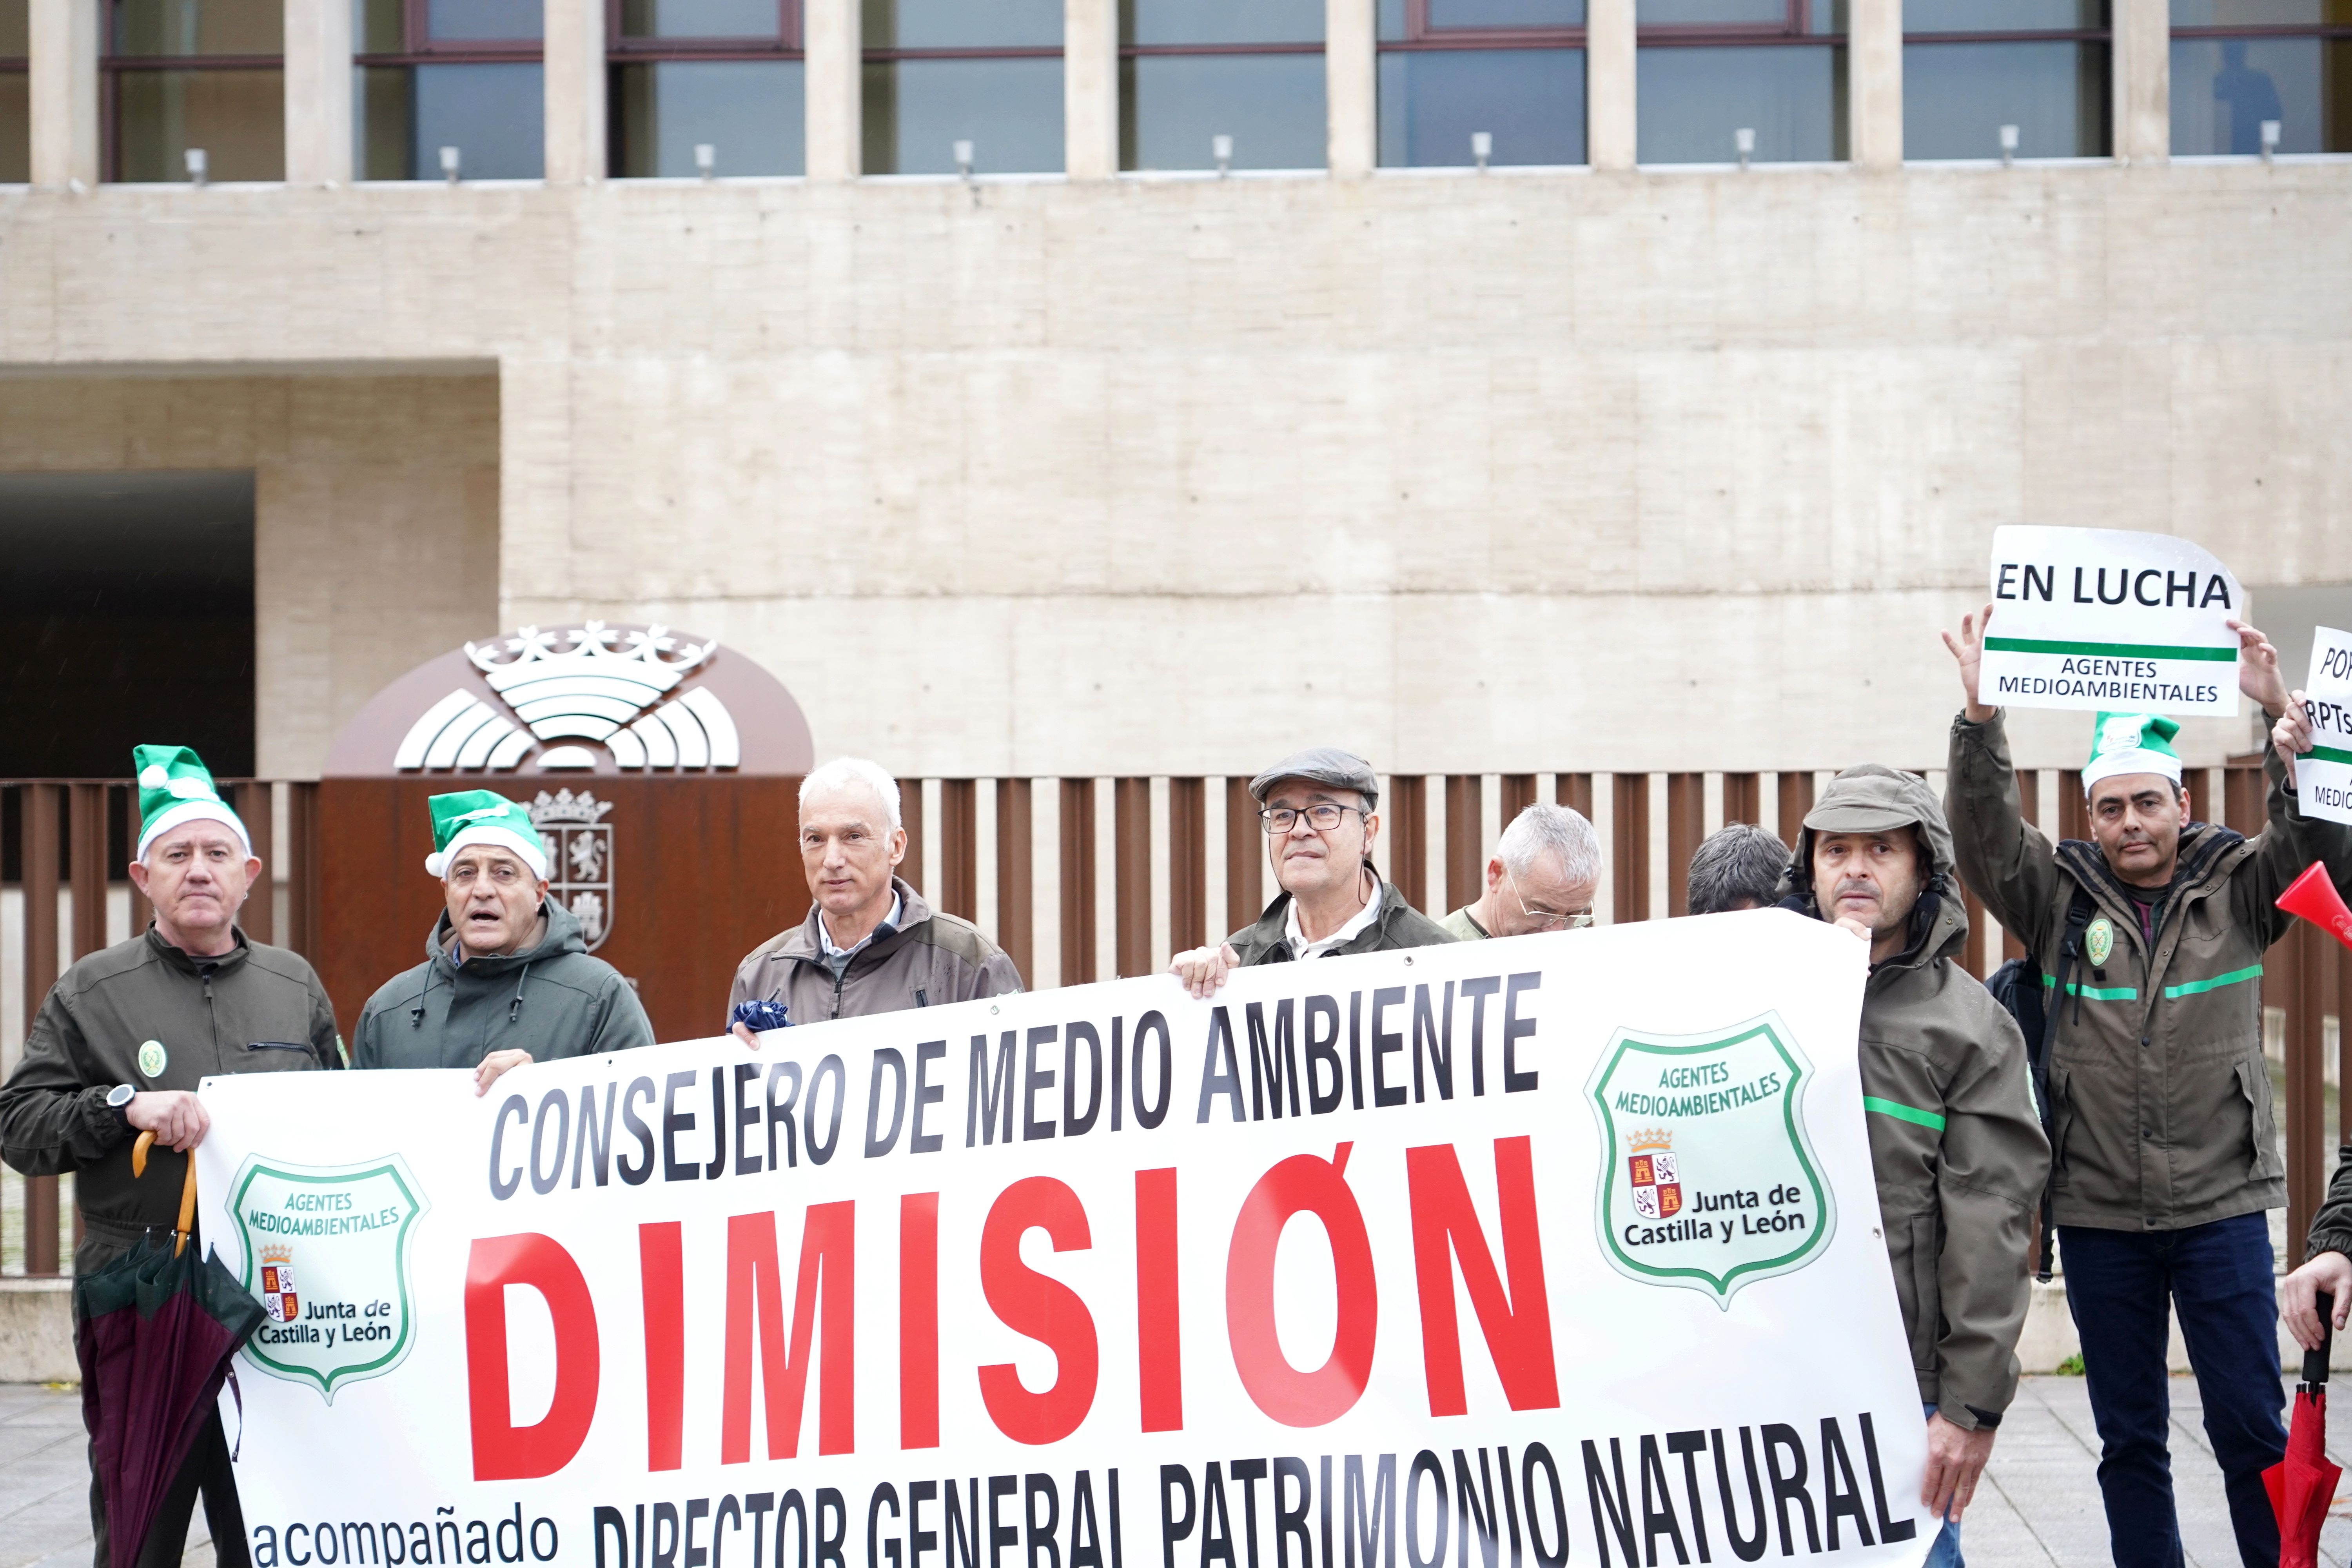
(1532, 470)
(375, 502)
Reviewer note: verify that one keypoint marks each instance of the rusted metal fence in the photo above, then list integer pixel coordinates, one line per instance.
(1085, 878)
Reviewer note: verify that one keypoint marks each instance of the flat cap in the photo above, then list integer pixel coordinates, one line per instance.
(1323, 765)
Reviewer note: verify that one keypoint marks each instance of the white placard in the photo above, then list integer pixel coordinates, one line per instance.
(2096, 619)
(1513, 1253)
(2322, 776)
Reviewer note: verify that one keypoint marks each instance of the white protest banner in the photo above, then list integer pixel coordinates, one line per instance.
(2322, 776)
(2095, 618)
(1556, 1249)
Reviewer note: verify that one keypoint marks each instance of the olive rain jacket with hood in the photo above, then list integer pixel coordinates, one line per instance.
(551, 999)
(254, 1009)
(2159, 1101)
(927, 960)
(1955, 1145)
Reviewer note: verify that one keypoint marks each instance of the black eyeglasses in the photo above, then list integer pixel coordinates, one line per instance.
(1281, 819)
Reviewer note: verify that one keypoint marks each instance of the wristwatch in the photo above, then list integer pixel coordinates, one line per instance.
(117, 1099)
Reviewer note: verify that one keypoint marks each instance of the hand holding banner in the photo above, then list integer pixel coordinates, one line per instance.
(2322, 775)
(2098, 619)
(1548, 1249)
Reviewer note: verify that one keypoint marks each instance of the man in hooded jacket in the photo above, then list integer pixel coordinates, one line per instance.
(507, 976)
(1955, 1145)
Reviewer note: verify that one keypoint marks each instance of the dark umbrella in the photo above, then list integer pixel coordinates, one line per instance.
(2303, 1484)
(154, 1329)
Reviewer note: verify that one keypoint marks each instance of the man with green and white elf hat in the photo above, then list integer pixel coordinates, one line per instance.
(2164, 1144)
(506, 977)
(122, 1040)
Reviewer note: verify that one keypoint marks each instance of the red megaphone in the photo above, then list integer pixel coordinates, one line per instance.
(2313, 897)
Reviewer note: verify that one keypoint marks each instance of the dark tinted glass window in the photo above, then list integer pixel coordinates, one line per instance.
(492, 113)
(1692, 102)
(181, 29)
(2224, 88)
(1173, 105)
(2259, 12)
(1817, 16)
(1009, 110)
(749, 112)
(1530, 102)
(1220, 21)
(238, 117)
(1957, 96)
(701, 18)
(16, 128)
(961, 23)
(16, 28)
(470, 21)
(2002, 15)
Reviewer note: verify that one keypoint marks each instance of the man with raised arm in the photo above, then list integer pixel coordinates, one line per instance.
(1320, 811)
(2165, 1146)
(119, 1047)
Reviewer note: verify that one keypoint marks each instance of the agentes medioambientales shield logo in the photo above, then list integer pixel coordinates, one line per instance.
(579, 858)
(326, 1252)
(1708, 1181)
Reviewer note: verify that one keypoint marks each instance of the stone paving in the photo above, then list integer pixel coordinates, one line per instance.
(2042, 1507)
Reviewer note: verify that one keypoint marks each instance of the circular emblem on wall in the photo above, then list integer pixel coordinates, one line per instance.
(151, 1059)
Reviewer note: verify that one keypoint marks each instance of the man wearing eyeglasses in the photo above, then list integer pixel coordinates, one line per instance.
(1544, 872)
(1320, 812)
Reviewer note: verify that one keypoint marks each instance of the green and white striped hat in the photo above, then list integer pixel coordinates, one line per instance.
(175, 786)
(2132, 744)
(483, 816)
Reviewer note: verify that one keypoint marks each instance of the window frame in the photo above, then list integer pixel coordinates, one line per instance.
(2105, 36)
(1793, 28)
(2248, 31)
(112, 66)
(420, 48)
(1421, 36)
(788, 43)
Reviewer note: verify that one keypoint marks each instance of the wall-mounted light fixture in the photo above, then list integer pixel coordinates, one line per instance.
(1482, 147)
(449, 162)
(1743, 141)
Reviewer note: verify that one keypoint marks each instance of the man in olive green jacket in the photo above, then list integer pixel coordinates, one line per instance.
(1320, 808)
(1955, 1143)
(508, 977)
(119, 1047)
(2165, 1145)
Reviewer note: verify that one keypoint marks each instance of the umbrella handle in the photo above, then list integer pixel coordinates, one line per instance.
(188, 1211)
(2315, 1362)
(138, 1149)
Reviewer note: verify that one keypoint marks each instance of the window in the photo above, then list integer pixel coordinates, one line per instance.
(2238, 63)
(722, 74)
(462, 75)
(1711, 73)
(15, 106)
(1509, 70)
(938, 72)
(1192, 70)
(183, 75)
(1971, 67)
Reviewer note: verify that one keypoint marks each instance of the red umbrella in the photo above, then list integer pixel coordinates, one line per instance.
(2303, 1484)
(154, 1331)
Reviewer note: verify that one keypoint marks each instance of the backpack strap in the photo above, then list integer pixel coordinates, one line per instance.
(2079, 912)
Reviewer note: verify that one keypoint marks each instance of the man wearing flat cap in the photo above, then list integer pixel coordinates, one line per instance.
(120, 1044)
(1320, 811)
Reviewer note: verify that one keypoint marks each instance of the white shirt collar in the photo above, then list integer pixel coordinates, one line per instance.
(834, 949)
(1297, 936)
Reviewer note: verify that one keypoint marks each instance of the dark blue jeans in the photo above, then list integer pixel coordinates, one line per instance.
(2218, 1277)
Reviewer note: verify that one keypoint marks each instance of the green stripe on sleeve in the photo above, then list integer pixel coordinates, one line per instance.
(2113, 649)
(2191, 987)
(1911, 1113)
(2097, 993)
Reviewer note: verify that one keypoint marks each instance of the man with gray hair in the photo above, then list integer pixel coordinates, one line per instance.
(1739, 867)
(870, 944)
(1541, 877)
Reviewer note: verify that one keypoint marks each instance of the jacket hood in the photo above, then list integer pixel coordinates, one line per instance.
(1871, 797)
(562, 936)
